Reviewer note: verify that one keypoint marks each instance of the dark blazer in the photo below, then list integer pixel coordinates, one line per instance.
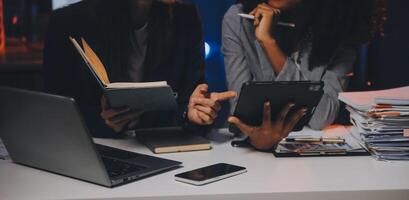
(67, 75)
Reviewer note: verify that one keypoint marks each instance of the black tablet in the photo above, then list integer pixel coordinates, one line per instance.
(253, 95)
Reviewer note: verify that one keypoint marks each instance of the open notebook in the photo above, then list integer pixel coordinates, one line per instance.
(145, 96)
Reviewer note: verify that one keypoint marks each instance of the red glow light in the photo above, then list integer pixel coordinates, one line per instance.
(14, 21)
(350, 74)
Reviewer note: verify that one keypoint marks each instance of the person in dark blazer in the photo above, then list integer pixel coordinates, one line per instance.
(137, 41)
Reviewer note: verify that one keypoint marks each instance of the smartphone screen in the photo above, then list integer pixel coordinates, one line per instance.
(212, 172)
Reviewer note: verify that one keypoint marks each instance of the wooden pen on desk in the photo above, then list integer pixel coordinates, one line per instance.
(303, 140)
(333, 140)
(313, 140)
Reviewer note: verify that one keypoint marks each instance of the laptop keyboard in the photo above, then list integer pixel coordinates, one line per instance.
(118, 168)
(116, 153)
(115, 161)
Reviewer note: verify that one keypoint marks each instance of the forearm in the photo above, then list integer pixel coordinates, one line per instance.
(274, 54)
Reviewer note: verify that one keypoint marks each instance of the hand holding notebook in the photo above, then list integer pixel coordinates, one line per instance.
(119, 118)
(145, 96)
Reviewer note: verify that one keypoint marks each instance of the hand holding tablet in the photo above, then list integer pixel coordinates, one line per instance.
(268, 111)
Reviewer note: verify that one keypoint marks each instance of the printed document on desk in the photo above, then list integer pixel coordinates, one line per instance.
(316, 143)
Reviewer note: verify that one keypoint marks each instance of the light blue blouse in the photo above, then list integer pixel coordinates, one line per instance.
(245, 60)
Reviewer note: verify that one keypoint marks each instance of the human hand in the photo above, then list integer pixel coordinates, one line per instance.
(203, 107)
(265, 18)
(117, 118)
(270, 133)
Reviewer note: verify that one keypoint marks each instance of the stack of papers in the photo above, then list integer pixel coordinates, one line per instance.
(382, 119)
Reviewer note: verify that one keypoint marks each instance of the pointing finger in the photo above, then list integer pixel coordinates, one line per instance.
(223, 96)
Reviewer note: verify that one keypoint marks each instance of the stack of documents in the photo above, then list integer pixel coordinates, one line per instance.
(382, 119)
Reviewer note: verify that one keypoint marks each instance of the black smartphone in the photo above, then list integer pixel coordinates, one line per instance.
(210, 174)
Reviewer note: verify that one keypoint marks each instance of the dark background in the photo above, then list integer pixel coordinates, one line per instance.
(382, 64)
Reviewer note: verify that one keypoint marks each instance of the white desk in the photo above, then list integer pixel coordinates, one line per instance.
(268, 177)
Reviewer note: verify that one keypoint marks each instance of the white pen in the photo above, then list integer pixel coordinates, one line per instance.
(247, 16)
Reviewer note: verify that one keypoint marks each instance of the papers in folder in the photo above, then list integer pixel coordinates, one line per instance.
(316, 143)
(382, 119)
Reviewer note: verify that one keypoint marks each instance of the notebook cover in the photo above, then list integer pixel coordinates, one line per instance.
(172, 143)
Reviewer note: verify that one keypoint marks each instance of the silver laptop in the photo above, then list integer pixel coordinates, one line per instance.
(47, 132)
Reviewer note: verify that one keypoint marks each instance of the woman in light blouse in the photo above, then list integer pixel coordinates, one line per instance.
(323, 43)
